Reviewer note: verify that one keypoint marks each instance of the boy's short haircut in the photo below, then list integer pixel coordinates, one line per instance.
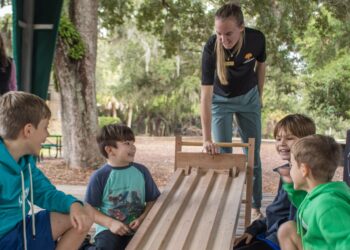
(297, 124)
(321, 153)
(110, 134)
(19, 108)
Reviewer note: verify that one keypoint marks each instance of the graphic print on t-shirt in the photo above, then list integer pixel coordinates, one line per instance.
(126, 205)
(121, 193)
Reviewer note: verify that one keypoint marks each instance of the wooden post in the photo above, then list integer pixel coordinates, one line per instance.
(249, 182)
(178, 148)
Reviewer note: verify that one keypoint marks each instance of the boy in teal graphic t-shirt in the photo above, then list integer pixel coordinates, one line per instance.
(121, 191)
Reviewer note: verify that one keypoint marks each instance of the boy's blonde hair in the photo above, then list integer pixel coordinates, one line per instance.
(321, 153)
(110, 134)
(297, 124)
(19, 108)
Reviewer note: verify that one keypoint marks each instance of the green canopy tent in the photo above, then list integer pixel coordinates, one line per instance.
(35, 26)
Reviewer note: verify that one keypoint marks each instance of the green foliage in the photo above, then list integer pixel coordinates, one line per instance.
(312, 78)
(324, 49)
(162, 92)
(113, 13)
(328, 90)
(178, 24)
(5, 29)
(106, 120)
(324, 38)
(280, 100)
(333, 126)
(339, 9)
(71, 38)
(307, 44)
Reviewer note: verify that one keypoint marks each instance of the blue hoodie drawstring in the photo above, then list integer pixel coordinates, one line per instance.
(24, 212)
(24, 206)
(32, 201)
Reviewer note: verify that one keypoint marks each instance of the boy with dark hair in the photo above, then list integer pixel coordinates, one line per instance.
(324, 214)
(24, 120)
(262, 233)
(121, 192)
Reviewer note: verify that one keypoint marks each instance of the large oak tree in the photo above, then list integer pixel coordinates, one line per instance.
(75, 74)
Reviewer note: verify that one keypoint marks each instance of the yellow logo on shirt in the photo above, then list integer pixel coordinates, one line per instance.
(248, 56)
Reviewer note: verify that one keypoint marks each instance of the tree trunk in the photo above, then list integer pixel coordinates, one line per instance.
(130, 113)
(77, 88)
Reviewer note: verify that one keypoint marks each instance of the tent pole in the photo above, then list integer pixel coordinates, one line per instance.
(27, 44)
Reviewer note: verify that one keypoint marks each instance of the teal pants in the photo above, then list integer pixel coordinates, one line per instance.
(247, 110)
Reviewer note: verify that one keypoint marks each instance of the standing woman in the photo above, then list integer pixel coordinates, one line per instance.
(8, 80)
(233, 75)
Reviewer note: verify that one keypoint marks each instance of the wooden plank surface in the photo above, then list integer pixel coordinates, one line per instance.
(200, 207)
(194, 211)
(231, 212)
(204, 160)
(151, 220)
(211, 215)
(174, 211)
(267, 199)
(182, 235)
(220, 144)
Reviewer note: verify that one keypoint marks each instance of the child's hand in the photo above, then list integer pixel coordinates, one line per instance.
(119, 228)
(134, 225)
(81, 217)
(284, 172)
(246, 236)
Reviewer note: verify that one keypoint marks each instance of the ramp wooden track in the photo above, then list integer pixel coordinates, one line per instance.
(200, 206)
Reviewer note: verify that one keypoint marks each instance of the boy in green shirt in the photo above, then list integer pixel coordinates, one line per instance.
(324, 213)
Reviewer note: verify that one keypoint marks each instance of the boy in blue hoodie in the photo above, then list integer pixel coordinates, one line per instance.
(324, 213)
(24, 120)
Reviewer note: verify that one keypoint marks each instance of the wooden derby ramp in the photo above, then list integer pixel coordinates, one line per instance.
(199, 208)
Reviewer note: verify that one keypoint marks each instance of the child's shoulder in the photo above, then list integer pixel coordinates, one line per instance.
(103, 170)
(140, 167)
(331, 195)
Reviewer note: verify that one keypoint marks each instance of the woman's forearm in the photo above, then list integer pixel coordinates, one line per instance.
(260, 72)
(206, 99)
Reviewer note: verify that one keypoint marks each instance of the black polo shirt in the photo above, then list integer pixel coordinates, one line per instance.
(240, 68)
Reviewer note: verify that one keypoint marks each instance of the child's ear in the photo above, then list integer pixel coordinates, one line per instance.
(109, 150)
(27, 130)
(305, 170)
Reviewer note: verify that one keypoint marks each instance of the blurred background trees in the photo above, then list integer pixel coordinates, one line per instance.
(149, 60)
(143, 62)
